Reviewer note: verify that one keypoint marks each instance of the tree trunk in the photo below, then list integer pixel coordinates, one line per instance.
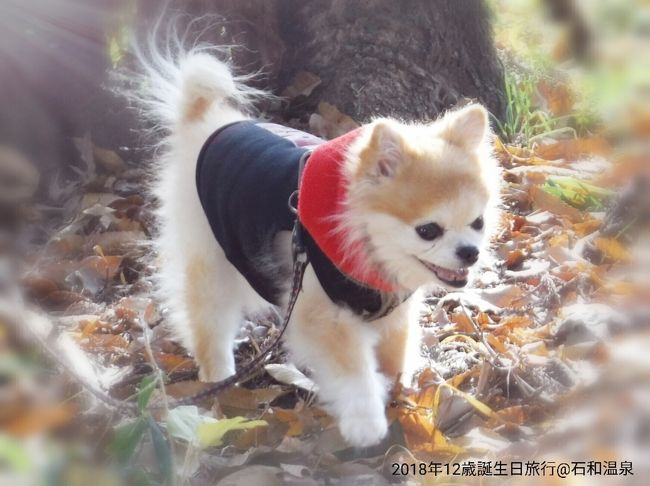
(410, 59)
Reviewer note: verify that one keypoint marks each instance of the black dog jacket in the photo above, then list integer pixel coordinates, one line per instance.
(245, 175)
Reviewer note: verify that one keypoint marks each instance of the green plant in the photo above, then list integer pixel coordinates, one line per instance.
(129, 436)
(182, 428)
(522, 120)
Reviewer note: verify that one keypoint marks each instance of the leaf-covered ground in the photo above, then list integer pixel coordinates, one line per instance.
(545, 360)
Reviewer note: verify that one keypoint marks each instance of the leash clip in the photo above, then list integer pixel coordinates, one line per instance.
(292, 202)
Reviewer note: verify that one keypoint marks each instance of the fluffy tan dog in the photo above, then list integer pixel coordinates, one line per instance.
(416, 205)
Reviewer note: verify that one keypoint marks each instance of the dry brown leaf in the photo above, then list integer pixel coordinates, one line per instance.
(302, 84)
(171, 363)
(181, 389)
(557, 96)
(612, 249)
(116, 242)
(627, 167)
(420, 434)
(61, 299)
(511, 156)
(241, 401)
(427, 377)
(544, 201)
(514, 259)
(587, 227)
(483, 320)
(38, 420)
(38, 286)
(463, 323)
(559, 239)
(88, 327)
(508, 324)
(105, 266)
(102, 199)
(289, 417)
(329, 122)
(516, 414)
(109, 160)
(497, 343)
(103, 342)
(65, 244)
(504, 296)
(574, 149)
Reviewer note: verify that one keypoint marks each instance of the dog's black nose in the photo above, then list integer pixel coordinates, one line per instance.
(467, 254)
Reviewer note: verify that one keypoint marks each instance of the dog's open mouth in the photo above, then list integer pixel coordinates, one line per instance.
(455, 278)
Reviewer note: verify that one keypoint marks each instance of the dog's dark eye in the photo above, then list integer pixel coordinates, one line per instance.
(429, 231)
(477, 224)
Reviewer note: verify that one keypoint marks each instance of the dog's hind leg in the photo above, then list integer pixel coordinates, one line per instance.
(216, 298)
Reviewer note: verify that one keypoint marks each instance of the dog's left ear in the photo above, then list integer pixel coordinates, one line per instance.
(466, 128)
(383, 155)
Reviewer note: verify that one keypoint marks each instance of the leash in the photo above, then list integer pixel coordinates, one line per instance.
(300, 261)
(243, 374)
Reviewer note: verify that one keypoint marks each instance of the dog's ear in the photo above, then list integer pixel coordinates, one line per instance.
(466, 128)
(384, 153)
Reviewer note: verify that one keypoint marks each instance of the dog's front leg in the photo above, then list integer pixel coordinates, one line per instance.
(340, 350)
(398, 350)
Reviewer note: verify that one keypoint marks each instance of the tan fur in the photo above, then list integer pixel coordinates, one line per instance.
(429, 174)
(197, 109)
(419, 188)
(335, 338)
(391, 351)
(465, 128)
(194, 296)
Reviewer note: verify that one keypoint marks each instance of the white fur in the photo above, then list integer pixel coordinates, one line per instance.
(207, 297)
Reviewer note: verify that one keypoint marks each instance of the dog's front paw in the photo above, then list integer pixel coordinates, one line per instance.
(214, 374)
(363, 426)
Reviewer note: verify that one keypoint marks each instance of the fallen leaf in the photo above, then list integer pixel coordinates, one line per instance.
(557, 96)
(421, 435)
(254, 474)
(544, 201)
(514, 259)
(109, 160)
(171, 363)
(183, 422)
(504, 296)
(612, 249)
(103, 342)
(573, 149)
(211, 434)
(39, 420)
(302, 84)
(329, 122)
(292, 418)
(483, 440)
(288, 374)
(577, 193)
(242, 401)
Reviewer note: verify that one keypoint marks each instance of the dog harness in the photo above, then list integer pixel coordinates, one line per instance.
(246, 175)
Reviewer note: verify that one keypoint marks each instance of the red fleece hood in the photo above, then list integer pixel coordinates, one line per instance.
(322, 194)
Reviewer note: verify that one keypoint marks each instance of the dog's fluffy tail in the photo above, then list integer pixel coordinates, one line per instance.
(179, 87)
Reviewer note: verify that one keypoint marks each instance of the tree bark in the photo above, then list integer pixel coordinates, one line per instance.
(410, 59)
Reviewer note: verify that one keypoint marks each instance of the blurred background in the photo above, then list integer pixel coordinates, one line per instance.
(544, 361)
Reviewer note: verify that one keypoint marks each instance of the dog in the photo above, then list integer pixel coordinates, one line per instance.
(386, 210)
